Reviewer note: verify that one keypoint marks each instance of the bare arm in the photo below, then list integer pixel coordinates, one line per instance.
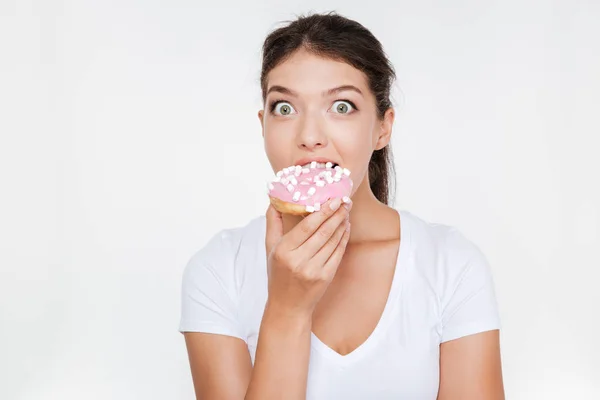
(281, 365)
(220, 365)
(470, 368)
(222, 368)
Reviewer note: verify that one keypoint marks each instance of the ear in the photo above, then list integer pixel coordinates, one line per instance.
(385, 132)
(262, 124)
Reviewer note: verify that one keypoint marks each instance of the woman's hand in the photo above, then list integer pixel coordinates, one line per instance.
(303, 262)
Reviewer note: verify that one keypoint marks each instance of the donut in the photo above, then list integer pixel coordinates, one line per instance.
(301, 189)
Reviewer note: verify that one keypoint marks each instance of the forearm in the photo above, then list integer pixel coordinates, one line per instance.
(282, 355)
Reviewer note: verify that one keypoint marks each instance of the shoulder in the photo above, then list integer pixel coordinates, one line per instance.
(437, 236)
(442, 253)
(225, 247)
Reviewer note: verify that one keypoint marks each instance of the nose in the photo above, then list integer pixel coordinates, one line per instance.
(311, 135)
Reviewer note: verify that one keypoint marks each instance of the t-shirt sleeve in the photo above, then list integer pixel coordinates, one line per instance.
(208, 292)
(469, 303)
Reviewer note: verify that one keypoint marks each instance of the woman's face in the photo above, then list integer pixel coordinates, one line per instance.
(318, 109)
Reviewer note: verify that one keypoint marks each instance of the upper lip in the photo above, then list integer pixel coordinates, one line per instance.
(307, 160)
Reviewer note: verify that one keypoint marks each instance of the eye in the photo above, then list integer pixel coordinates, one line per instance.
(343, 107)
(282, 108)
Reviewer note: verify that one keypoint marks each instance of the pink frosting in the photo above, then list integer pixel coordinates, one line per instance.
(305, 181)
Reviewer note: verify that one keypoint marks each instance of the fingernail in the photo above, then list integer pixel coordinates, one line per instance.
(335, 203)
(347, 202)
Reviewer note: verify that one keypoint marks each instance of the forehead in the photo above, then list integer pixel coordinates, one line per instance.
(307, 73)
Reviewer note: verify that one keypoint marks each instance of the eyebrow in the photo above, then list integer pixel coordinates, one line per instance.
(284, 90)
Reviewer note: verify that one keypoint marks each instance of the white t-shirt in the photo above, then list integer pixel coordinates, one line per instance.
(442, 289)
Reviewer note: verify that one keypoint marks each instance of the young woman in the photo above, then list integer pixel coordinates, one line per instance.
(356, 300)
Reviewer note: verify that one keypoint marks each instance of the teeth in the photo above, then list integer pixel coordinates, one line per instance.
(313, 165)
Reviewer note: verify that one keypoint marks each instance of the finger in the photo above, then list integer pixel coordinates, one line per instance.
(322, 235)
(309, 225)
(333, 263)
(274, 228)
(323, 254)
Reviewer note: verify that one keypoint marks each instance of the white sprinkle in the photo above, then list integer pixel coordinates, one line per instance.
(284, 181)
(312, 191)
(302, 198)
(305, 170)
(346, 199)
(286, 171)
(317, 206)
(338, 174)
(310, 209)
(328, 165)
(298, 170)
(293, 180)
(290, 188)
(279, 174)
(346, 172)
(313, 164)
(276, 179)
(296, 196)
(338, 168)
(320, 183)
(337, 178)
(329, 180)
(304, 183)
(270, 185)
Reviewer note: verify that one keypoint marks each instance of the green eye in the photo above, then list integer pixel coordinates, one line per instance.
(283, 108)
(342, 107)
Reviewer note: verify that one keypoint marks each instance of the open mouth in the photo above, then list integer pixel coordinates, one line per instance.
(315, 164)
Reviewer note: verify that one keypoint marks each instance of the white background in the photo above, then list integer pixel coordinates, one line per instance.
(129, 136)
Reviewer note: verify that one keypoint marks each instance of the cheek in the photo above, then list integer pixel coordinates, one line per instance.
(276, 149)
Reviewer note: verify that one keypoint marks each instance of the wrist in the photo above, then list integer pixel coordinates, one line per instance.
(286, 317)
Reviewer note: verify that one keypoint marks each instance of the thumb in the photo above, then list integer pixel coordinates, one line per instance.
(274, 228)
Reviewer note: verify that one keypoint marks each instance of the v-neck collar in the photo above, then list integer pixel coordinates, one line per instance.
(382, 324)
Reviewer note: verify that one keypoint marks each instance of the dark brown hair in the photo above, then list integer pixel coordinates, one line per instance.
(333, 36)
